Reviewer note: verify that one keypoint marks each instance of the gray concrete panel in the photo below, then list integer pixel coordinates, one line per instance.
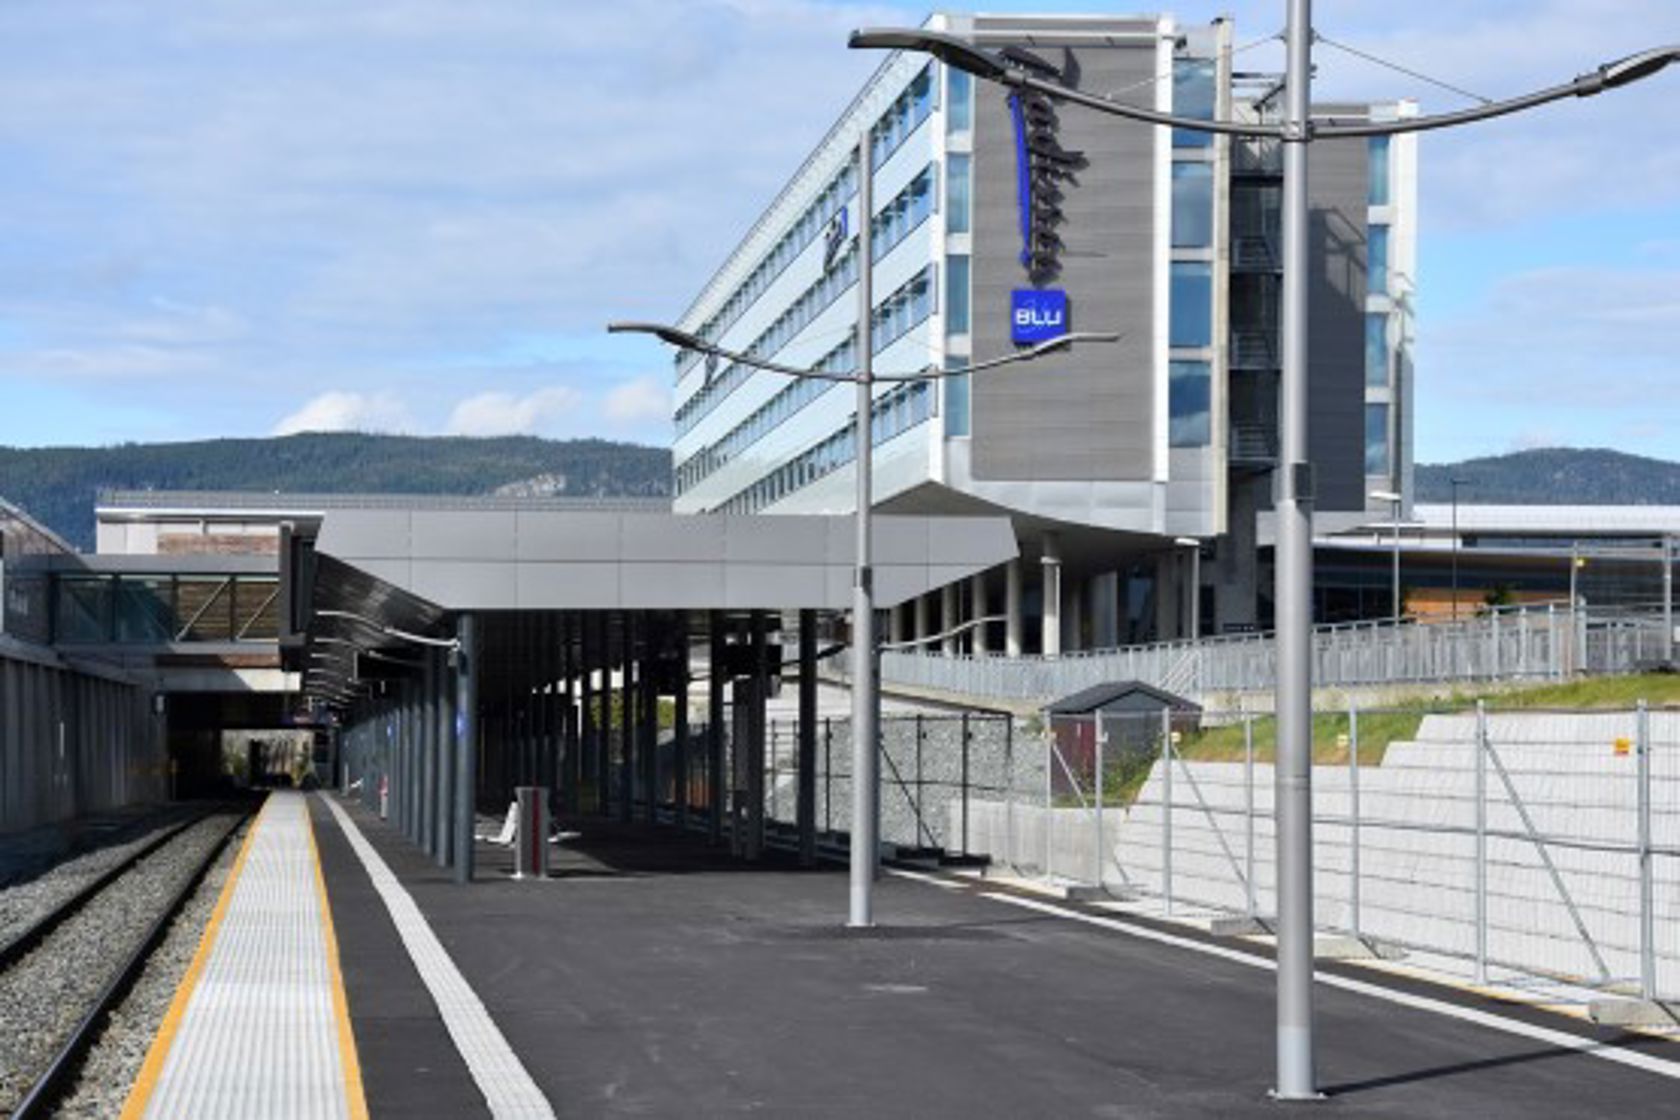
(577, 536)
(768, 540)
(1089, 414)
(1336, 290)
(492, 585)
(769, 561)
(670, 585)
(466, 534)
(892, 540)
(679, 539)
(372, 532)
(775, 585)
(568, 584)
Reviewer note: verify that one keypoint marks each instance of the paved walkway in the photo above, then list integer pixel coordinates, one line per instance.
(655, 977)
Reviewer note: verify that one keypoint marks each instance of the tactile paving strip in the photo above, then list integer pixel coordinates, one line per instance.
(264, 1032)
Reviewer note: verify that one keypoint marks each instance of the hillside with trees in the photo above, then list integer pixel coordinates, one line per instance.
(58, 485)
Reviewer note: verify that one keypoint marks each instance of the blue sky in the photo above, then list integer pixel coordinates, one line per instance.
(238, 217)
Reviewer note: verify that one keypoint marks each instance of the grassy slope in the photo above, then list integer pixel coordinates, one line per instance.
(1377, 729)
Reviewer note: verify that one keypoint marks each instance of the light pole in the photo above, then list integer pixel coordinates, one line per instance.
(1293, 505)
(865, 685)
(1455, 483)
(1195, 549)
(1668, 599)
(1393, 499)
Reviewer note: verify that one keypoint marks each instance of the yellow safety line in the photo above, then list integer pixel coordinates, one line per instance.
(141, 1093)
(354, 1093)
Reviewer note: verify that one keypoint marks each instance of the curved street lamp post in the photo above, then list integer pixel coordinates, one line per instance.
(1293, 594)
(864, 846)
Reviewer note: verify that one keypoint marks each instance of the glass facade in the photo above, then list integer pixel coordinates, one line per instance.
(1377, 261)
(165, 608)
(908, 209)
(893, 223)
(902, 118)
(957, 193)
(1192, 205)
(1193, 97)
(1376, 439)
(1378, 195)
(960, 86)
(901, 311)
(1192, 304)
(1189, 403)
(956, 294)
(956, 399)
(895, 413)
(1376, 350)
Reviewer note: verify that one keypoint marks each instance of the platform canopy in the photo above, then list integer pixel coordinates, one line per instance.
(352, 573)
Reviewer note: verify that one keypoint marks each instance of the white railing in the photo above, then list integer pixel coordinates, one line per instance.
(1544, 843)
(1512, 643)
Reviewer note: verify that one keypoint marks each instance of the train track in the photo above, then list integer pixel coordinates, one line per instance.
(49, 1073)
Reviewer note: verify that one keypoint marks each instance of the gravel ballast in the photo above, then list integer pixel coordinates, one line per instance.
(23, 904)
(102, 1085)
(45, 995)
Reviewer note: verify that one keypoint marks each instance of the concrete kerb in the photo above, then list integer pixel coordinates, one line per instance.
(1635, 1013)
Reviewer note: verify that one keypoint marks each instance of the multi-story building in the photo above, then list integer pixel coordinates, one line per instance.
(995, 216)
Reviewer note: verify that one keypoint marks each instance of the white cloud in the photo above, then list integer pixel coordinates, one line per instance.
(632, 402)
(500, 414)
(343, 411)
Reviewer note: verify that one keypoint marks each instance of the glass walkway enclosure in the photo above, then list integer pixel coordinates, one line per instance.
(459, 654)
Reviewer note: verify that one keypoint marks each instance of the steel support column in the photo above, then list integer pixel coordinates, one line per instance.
(466, 743)
(806, 813)
(679, 723)
(648, 680)
(758, 692)
(714, 726)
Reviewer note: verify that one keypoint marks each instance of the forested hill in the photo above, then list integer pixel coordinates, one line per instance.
(58, 485)
(1554, 476)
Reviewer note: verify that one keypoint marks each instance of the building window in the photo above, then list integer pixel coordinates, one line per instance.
(956, 294)
(1189, 404)
(1377, 261)
(1376, 350)
(1379, 171)
(1193, 97)
(956, 399)
(1192, 205)
(1376, 439)
(957, 198)
(960, 87)
(1192, 304)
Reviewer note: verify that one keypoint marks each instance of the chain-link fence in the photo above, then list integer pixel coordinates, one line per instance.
(1546, 842)
(934, 769)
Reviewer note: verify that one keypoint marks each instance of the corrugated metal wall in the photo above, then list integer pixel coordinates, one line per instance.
(73, 743)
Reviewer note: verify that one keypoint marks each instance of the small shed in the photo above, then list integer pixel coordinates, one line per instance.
(1130, 714)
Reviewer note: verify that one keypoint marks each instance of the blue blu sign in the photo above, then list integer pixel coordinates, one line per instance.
(1037, 314)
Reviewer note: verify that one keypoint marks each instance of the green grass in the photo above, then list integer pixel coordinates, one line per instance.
(1331, 737)
(1656, 689)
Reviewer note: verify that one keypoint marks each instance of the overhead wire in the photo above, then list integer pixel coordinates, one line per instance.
(1406, 70)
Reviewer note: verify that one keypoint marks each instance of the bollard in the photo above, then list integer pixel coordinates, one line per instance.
(530, 842)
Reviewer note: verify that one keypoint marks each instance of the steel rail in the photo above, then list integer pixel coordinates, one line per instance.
(43, 1095)
(32, 935)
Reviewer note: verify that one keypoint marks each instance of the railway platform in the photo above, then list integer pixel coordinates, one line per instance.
(652, 975)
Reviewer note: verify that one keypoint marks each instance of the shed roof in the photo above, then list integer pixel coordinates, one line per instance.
(1100, 696)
